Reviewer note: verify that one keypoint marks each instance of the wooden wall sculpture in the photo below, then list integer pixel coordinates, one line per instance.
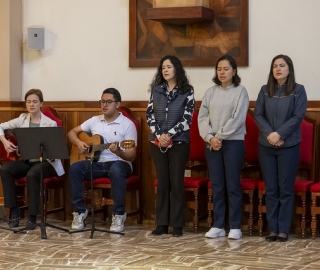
(198, 42)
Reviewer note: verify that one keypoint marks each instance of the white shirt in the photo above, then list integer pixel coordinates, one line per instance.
(119, 130)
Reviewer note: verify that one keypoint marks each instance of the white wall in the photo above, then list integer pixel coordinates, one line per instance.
(89, 40)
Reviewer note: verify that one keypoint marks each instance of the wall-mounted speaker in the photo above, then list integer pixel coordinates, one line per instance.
(36, 38)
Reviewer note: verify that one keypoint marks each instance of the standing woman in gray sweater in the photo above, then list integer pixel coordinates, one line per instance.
(221, 121)
(169, 116)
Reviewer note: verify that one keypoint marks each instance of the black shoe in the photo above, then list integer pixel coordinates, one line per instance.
(14, 217)
(283, 237)
(271, 237)
(160, 230)
(177, 231)
(30, 225)
(14, 222)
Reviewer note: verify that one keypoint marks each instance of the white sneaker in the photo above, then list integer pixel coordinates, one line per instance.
(78, 220)
(117, 224)
(215, 232)
(235, 234)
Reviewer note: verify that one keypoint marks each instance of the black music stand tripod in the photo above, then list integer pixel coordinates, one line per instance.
(42, 143)
(93, 228)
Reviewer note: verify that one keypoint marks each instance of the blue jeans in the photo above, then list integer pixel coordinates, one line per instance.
(224, 172)
(279, 167)
(117, 171)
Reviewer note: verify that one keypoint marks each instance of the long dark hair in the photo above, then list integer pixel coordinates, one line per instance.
(181, 77)
(235, 79)
(290, 83)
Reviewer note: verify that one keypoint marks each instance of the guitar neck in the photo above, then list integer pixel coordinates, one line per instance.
(101, 147)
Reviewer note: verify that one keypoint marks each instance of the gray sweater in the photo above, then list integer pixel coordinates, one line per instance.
(223, 113)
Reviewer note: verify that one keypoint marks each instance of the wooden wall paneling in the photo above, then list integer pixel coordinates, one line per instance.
(5, 116)
(67, 104)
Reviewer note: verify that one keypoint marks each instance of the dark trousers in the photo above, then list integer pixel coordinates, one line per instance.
(170, 167)
(117, 171)
(279, 167)
(224, 172)
(18, 169)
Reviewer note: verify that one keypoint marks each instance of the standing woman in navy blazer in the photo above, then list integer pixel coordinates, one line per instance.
(169, 115)
(27, 168)
(279, 111)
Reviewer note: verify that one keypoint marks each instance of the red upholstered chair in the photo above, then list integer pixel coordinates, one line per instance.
(307, 163)
(132, 183)
(51, 184)
(197, 164)
(249, 185)
(301, 186)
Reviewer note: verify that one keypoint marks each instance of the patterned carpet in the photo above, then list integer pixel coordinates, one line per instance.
(138, 249)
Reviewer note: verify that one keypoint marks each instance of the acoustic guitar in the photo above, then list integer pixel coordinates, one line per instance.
(4, 155)
(96, 145)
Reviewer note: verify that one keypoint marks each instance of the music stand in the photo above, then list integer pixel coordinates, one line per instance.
(42, 143)
(93, 228)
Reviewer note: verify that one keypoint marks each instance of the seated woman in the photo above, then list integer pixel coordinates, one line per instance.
(26, 168)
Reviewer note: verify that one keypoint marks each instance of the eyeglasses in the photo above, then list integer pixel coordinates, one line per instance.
(108, 102)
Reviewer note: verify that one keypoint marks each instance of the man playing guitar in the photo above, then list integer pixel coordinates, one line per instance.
(113, 162)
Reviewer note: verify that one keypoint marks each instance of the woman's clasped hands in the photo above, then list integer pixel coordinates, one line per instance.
(165, 140)
(215, 144)
(275, 139)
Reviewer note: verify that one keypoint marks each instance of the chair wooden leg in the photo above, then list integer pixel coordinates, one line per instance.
(313, 226)
(250, 218)
(260, 221)
(303, 218)
(313, 217)
(210, 209)
(209, 220)
(195, 221)
(196, 205)
(302, 210)
(303, 227)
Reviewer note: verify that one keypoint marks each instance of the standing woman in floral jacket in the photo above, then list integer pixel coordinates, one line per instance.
(169, 115)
